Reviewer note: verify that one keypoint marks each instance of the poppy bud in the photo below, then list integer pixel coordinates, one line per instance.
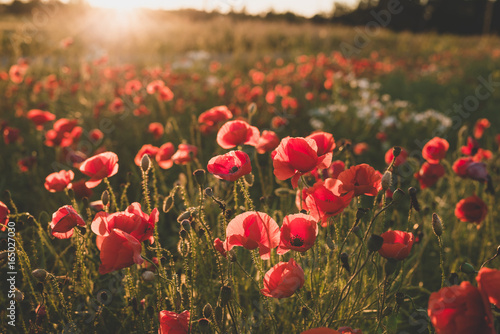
(344, 258)
(357, 231)
(168, 203)
(390, 267)
(186, 224)
(437, 225)
(200, 177)
(360, 213)
(207, 311)
(386, 180)
(71, 194)
(178, 300)
(413, 198)
(467, 268)
(185, 215)
(249, 179)
(39, 274)
(330, 244)
(105, 198)
(225, 295)
(398, 195)
(183, 234)
(209, 192)
(396, 150)
(145, 163)
(204, 325)
(39, 287)
(218, 314)
(148, 276)
(252, 109)
(375, 243)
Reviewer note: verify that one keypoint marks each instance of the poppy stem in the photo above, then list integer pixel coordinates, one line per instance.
(441, 261)
(145, 191)
(113, 198)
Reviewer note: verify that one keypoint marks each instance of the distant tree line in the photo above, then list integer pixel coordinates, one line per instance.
(442, 16)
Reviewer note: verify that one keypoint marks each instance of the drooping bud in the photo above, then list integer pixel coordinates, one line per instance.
(209, 192)
(330, 244)
(186, 224)
(396, 150)
(218, 314)
(145, 163)
(148, 276)
(413, 198)
(200, 177)
(437, 224)
(398, 195)
(467, 268)
(105, 198)
(168, 203)
(344, 258)
(375, 243)
(39, 274)
(183, 234)
(225, 295)
(386, 180)
(207, 311)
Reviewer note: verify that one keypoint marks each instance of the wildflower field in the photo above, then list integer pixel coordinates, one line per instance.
(246, 176)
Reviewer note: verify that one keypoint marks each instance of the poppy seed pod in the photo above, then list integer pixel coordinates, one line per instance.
(437, 224)
(148, 276)
(39, 274)
(207, 311)
(105, 198)
(467, 268)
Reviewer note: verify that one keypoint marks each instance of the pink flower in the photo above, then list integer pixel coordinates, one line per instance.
(98, 167)
(282, 280)
(58, 181)
(234, 133)
(298, 233)
(230, 166)
(63, 222)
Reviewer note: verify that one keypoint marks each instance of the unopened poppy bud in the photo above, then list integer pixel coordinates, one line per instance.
(249, 179)
(207, 311)
(231, 256)
(204, 325)
(168, 203)
(178, 300)
(18, 295)
(344, 258)
(400, 298)
(386, 180)
(330, 244)
(375, 243)
(186, 224)
(252, 109)
(148, 276)
(413, 198)
(183, 234)
(390, 267)
(39, 287)
(437, 224)
(200, 177)
(396, 150)
(185, 215)
(218, 314)
(145, 163)
(398, 195)
(225, 295)
(105, 198)
(467, 268)
(39, 274)
(209, 192)
(357, 232)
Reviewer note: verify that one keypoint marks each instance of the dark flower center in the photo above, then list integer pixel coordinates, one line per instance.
(234, 169)
(296, 241)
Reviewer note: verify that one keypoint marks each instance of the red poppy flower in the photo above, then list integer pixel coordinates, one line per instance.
(253, 230)
(209, 119)
(335, 169)
(397, 245)
(40, 117)
(298, 233)
(80, 189)
(58, 181)
(63, 222)
(488, 282)
(282, 280)
(435, 150)
(4, 215)
(117, 106)
(219, 246)
(155, 86)
(325, 143)
(482, 155)
(17, 72)
(156, 129)
(268, 141)
(324, 200)
(320, 330)
(295, 157)
(230, 166)
(234, 133)
(359, 180)
(146, 149)
(481, 125)
(164, 155)
(98, 167)
(429, 174)
(185, 153)
(471, 209)
(119, 250)
(173, 323)
(460, 309)
(63, 133)
(166, 94)
(471, 148)
(360, 148)
(96, 135)
(401, 159)
(460, 166)
(11, 135)
(132, 86)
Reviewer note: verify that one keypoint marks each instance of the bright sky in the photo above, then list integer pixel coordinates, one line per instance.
(302, 7)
